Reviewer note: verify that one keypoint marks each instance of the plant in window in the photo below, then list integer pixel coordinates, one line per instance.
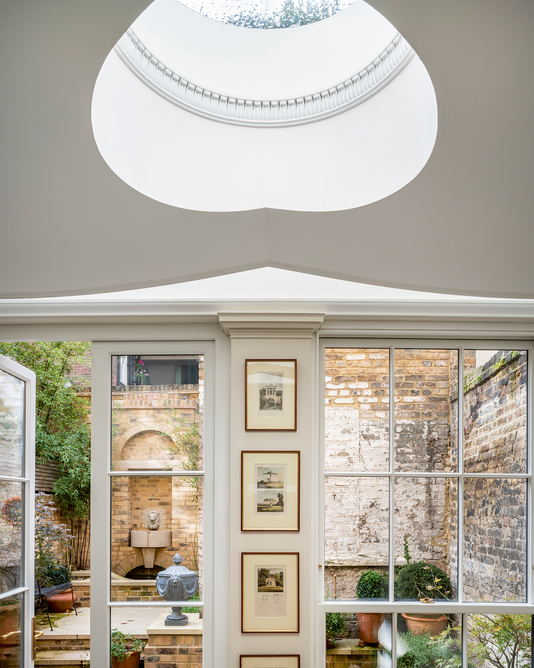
(503, 641)
(372, 584)
(49, 535)
(422, 581)
(335, 627)
(125, 650)
(426, 651)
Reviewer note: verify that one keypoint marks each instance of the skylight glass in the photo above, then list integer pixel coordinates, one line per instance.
(268, 14)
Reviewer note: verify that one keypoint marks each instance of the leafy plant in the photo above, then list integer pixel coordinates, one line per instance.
(186, 444)
(49, 536)
(407, 556)
(426, 651)
(421, 580)
(503, 641)
(123, 645)
(62, 433)
(372, 584)
(292, 14)
(335, 626)
(195, 597)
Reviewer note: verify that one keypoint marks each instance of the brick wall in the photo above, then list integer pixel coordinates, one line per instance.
(495, 420)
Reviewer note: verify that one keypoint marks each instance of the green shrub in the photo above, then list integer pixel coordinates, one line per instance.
(426, 651)
(124, 645)
(335, 626)
(372, 584)
(422, 580)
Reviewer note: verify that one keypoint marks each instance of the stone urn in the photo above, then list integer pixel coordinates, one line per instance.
(177, 583)
(419, 623)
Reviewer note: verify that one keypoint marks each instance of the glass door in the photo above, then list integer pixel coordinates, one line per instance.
(17, 411)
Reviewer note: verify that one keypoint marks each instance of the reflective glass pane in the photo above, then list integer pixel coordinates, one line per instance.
(356, 537)
(423, 383)
(425, 538)
(11, 532)
(429, 640)
(499, 640)
(157, 412)
(152, 519)
(11, 425)
(11, 631)
(358, 639)
(495, 539)
(142, 630)
(495, 411)
(357, 409)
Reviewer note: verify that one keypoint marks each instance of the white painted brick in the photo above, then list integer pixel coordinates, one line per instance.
(343, 401)
(344, 393)
(357, 386)
(356, 357)
(332, 393)
(335, 386)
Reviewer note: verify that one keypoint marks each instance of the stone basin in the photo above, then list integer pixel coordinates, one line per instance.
(149, 542)
(160, 538)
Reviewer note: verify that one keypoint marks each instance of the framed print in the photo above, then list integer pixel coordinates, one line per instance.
(270, 491)
(271, 395)
(270, 592)
(269, 661)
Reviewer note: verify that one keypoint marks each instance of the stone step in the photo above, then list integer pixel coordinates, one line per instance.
(58, 659)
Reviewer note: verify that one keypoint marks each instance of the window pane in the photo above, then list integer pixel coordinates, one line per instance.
(495, 539)
(11, 631)
(158, 644)
(423, 380)
(11, 424)
(357, 409)
(153, 518)
(425, 535)
(358, 639)
(11, 533)
(356, 535)
(499, 640)
(429, 640)
(157, 412)
(495, 411)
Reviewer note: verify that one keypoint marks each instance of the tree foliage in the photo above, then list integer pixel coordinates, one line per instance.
(292, 14)
(61, 430)
(501, 640)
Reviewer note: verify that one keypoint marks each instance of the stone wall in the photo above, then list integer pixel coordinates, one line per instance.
(495, 432)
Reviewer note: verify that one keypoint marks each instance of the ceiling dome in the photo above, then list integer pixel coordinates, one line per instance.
(205, 116)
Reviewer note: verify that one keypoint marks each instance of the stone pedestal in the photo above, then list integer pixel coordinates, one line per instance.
(174, 647)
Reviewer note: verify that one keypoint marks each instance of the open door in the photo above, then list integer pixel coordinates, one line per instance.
(17, 483)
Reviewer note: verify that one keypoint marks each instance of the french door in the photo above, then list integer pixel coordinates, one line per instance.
(17, 469)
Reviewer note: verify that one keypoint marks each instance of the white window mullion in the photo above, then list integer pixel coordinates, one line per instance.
(530, 435)
(460, 491)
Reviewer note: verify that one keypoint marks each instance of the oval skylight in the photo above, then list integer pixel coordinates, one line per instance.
(200, 115)
(268, 14)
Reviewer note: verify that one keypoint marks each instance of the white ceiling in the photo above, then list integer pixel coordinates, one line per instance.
(462, 226)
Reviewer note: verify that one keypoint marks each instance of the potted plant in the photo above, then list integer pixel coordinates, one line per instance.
(125, 650)
(372, 584)
(424, 582)
(9, 620)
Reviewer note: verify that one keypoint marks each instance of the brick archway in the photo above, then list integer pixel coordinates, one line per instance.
(135, 559)
(138, 429)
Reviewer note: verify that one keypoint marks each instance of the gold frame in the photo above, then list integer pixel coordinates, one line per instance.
(290, 519)
(258, 418)
(252, 599)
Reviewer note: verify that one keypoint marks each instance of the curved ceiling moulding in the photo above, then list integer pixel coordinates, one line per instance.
(228, 108)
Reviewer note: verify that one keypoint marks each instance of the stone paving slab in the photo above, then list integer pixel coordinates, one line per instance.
(127, 620)
(53, 658)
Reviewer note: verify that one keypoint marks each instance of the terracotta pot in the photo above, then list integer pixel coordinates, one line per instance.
(419, 623)
(369, 623)
(9, 622)
(131, 662)
(61, 602)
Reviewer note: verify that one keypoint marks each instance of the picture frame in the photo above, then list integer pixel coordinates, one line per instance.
(270, 490)
(269, 661)
(271, 395)
(270, 592)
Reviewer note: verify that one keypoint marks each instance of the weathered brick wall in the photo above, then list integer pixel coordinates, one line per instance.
(357, 433)
(495, 419)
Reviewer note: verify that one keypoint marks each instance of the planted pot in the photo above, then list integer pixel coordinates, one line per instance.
(10, 622)
(419, 624)
(130, 662)
(61, 602)
(369, 623)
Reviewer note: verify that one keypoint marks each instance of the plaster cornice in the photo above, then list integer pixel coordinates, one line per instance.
(228, 108)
